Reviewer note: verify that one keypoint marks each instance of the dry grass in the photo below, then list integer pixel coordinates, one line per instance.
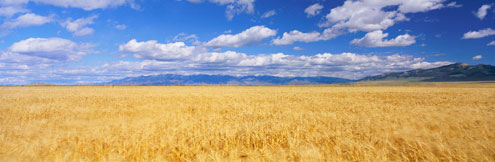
(223, 123)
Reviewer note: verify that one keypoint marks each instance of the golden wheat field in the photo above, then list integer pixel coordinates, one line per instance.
(451, 122)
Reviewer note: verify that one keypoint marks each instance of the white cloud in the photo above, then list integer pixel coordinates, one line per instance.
(368, 15)
(51, 48)
(479, 34)
(414, 6)
(356, 15)
(492, 43)
(237, 7)
(313, 10)
(78, 27)
(248, 36)
(269, 14)
(376, 39)
(346, 65)
(26, 20)
(14, 61)
(477, 57)
(454, 5)
(32, 59)
(121, 26)
(13, 2)
(297, 36)
(234, 7)
(178, 58)
(362, 15)
(482, 11)
(297, 48)
(85, 4)
(10, 11)
(191, 60)
(152, 50)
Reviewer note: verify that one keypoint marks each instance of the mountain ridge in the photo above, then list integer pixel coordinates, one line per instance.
(447, 73)
(172, 79)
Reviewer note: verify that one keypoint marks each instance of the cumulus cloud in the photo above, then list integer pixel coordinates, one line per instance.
(482, 11)
(361, 15)
(368, 15)
(87, 4)
(9, 8)
(79, 27)
(313, 10)
(376, 39)
(237, 7)
(190, 59)
(21, 63)
(297, 36)
(454, 5)
(234, 7)
(269, 14)
(51, 48)
(41, 58)
(10, 11)
(479, 34)
(18, 70)
(248, 36)
(152, 50)
(477, 57)
(346, 65)
(492, 43)
(414, 6)
(14, 61)
(26, 20)
(13, 2)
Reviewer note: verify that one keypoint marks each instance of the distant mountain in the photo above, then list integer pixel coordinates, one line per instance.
(170, 79)
(40, 84)
(453, 72)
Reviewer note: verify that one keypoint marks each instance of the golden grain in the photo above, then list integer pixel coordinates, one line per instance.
(235, 123)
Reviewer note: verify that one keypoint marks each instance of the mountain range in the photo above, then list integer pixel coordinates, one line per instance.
(452, 72)
(448, 73)
(171, 79)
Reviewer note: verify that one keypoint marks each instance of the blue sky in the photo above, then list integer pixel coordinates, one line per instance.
(92, 41)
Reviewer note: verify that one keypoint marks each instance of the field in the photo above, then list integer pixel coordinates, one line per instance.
(438, 122)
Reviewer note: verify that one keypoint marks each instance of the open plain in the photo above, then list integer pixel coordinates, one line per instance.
(418, 122)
